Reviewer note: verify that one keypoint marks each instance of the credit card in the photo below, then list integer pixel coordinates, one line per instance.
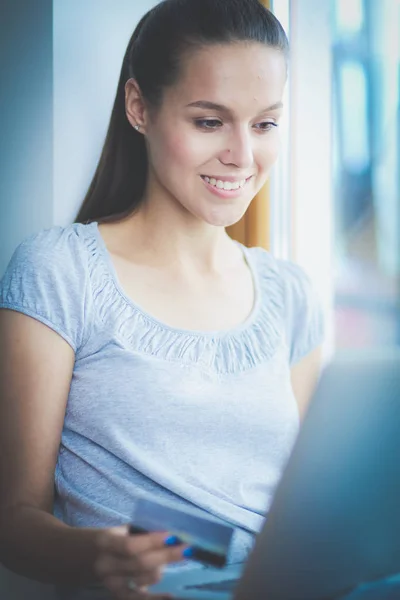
(209, 539)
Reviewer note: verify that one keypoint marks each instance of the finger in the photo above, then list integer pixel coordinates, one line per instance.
(119, 587)
(118, 541)
(113, 539)
(111, 567)
(149, 561)
(147, 542)
(112, 564)
(145, 579)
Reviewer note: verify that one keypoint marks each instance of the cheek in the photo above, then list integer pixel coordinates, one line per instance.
(184, 151)
(268, 153)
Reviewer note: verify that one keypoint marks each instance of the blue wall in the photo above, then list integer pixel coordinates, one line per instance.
(59, 67)
(26, 120)
(26, 157)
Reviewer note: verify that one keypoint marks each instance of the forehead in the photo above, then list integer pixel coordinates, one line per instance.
(236, 75)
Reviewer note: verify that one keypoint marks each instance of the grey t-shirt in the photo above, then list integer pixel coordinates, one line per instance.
(206, 419)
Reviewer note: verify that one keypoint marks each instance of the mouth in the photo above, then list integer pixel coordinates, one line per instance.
(225, 185)
(225, 189)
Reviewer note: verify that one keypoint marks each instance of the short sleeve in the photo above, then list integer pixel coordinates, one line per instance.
(47, 279)
(304, 320)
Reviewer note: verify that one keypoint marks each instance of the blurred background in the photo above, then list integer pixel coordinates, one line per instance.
(366, 173)
(343, 219)
(334, 198)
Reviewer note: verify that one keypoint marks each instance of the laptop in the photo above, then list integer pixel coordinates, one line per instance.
(333, 530)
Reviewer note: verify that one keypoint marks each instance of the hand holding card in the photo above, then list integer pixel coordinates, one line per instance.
(125, 563)
(209, 540)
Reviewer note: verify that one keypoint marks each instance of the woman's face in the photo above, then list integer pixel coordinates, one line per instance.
(212, 143)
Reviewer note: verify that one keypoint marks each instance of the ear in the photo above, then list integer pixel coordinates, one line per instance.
(134, 105)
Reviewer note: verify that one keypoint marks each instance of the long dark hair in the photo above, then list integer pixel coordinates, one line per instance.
(153, 58)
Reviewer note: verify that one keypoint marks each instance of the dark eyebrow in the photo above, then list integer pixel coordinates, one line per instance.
(212, 106)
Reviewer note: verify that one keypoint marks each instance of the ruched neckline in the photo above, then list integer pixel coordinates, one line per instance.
(226, 351)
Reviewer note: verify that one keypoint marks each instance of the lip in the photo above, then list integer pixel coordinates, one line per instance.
(225, 193)
(227, 178)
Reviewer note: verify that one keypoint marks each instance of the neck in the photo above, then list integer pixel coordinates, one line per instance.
(165, 233)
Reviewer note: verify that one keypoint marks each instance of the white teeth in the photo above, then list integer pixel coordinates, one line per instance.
(225, 185)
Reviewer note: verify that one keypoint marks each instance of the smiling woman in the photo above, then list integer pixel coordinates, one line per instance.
(196, 132)
(146, 350)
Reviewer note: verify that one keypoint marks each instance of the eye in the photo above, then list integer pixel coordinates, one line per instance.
(266, 126)
(209, 124)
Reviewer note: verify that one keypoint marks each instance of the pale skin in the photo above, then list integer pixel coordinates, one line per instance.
(173, 258)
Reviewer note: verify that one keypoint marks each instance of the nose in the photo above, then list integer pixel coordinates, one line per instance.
(238, 149)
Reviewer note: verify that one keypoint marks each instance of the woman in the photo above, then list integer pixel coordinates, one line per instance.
(146, 350)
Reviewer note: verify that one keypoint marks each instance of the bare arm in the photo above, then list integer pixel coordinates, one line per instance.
(304, 376)
(35, 375)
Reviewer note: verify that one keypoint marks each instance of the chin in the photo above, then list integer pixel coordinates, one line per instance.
(223, 218)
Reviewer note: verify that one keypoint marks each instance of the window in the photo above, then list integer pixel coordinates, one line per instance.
(366, 67)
